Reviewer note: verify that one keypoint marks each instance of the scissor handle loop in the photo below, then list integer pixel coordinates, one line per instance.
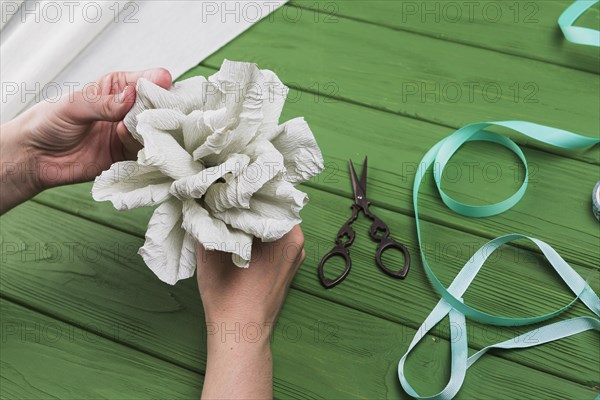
(345, 236)
(339, 250)
(378, 230)
(385, 244)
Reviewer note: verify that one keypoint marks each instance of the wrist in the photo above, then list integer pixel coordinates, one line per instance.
(239, 332)
(19, 175)
(239, 361)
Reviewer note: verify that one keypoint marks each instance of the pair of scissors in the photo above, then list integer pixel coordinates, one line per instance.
(379, 232)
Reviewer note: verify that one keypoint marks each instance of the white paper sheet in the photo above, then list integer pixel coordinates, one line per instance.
(51, 48)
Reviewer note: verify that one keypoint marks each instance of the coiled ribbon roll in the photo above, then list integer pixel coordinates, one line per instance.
(578, 34)
(451, 302)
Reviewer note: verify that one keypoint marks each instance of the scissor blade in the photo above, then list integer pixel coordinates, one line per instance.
(363, 178)
(353, 179)
(356, 186)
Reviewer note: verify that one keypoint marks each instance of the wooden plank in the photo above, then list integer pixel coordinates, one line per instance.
(45, 358)
(103, 294)
(559, 193)
(424, 78)
(524, 28)
(130, 295)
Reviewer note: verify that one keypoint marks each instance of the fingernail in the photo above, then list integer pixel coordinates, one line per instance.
(123, 95)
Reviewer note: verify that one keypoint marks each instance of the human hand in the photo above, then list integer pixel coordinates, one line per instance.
(72, 140)
(253, 294)
(240, 366)
(81, 135)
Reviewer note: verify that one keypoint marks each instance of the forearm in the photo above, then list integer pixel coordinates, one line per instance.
(241, 306)
(238, 367)
(18, 174)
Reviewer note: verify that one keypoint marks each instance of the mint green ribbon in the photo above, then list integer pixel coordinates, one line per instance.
(451, 302)
(578, 34)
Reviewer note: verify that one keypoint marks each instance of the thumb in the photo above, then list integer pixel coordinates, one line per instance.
(89, 106)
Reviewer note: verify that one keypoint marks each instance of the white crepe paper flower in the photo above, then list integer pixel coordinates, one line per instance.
(218, 164)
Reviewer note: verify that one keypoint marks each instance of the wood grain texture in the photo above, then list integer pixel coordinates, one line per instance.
(559, 191)
(75, 260)
(46, 358)
(43, 358)
(524, 28)
(417, 76)
(366, 289)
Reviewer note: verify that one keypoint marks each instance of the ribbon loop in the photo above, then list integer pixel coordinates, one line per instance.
(577, 34)
(451, 302)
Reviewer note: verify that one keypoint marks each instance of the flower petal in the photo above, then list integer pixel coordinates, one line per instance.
(168, 251)
(243, 88)
(195, 186)
(213, 234)
(187, 260)
(274, 211)
(237, 81)
(130, 185)
(303, 158)
(199, 125)
(161, 149)
(273, 101)
(184, 96)
(266, 163)
(164, 120)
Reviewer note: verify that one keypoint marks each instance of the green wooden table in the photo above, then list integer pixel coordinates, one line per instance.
(83, 318)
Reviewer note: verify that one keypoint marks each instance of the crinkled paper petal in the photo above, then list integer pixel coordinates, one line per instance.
(274, 211)
(213, 234)
(276, 93)
(195, 186)
(199, 125)
(297, 144)
(161, 149)
(128, 184)
(237, 81)
(245, 90)
(168, 250)
(184, 96)
(236, 193)
(164, 120)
